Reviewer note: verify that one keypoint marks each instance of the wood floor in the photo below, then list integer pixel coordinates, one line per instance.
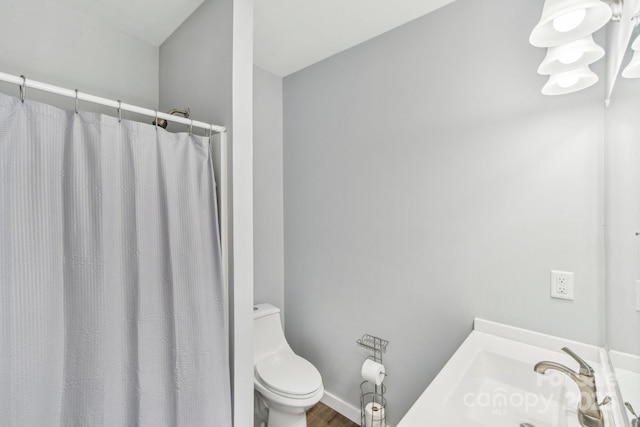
(323, 416)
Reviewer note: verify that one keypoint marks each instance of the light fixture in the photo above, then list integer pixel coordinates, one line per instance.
(632, 70)
(564, 21)
(570, 81)
(569, 21)
(571, 55)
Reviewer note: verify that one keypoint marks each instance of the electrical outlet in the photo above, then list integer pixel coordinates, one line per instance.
(562, 285)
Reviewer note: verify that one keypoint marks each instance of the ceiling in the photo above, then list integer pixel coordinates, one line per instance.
(290, 35)
(149, 20)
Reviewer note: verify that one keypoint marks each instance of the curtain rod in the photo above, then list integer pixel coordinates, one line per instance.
(119, 106)
(24, 82)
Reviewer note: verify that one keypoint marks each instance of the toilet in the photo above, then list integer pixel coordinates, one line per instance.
(288, 384)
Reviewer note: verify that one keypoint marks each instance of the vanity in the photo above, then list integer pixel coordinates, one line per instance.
(490, 381)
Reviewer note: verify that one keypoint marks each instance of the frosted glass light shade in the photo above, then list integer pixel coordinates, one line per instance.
(632, 70)
(563, 21)
(570, 56)
(570, 81)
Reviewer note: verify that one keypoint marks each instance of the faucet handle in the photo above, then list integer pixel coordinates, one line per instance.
(636, 421)
(605, 401)
(585, 368)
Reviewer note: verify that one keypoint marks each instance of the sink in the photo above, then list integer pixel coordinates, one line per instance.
(500, 391)
(490, 382)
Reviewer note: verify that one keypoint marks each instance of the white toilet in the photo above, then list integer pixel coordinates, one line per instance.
(289, 384)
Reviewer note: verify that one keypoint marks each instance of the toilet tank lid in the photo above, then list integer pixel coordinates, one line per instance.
(264, 309)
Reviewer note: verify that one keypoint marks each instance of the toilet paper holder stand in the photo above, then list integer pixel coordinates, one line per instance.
(375, 344)
(372, 395)
(373, 405)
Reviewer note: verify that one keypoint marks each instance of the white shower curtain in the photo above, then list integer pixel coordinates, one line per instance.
(111, 298)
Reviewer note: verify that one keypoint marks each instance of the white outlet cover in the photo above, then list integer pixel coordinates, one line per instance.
(562, 285)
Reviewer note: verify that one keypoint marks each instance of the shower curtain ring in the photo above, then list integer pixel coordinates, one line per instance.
(191, 127)
(156, 121)
(76, 103)
(23, 88)
(119, 111)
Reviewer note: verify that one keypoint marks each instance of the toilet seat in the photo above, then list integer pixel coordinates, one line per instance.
(289, 375)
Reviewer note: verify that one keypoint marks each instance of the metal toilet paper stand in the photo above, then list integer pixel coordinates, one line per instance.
(370, 392)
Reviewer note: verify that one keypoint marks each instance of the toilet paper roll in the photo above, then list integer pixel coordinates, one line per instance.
(373, 372)
(374, 415)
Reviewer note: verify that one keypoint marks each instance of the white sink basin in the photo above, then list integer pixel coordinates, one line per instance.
(490, 382)
(498, 391)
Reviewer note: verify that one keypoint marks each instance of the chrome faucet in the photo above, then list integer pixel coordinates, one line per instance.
(589, 414)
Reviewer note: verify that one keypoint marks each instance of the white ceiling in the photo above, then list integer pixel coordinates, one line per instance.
(292, 34)
(150, 20)
(289, 34)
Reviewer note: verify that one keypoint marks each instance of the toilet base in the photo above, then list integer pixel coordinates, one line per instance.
(286, 419)
(260, 411)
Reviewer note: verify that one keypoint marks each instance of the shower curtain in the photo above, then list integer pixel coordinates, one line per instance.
(111, 298)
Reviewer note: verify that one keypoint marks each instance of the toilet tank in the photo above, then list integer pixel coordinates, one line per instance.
(268, 336)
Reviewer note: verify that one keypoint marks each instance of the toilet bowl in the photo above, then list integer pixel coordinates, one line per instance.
(288, 383)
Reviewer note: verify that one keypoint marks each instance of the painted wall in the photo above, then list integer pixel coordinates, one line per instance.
(207, 64)
(623, 216)
(53, 44)
(268, 194)
(427, 181)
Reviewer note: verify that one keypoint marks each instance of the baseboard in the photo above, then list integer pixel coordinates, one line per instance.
(341, 407)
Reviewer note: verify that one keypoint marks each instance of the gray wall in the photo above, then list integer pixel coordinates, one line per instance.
(623, 216)
(267, 181)
(427, 181)
(52, 44)
(195, 64)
